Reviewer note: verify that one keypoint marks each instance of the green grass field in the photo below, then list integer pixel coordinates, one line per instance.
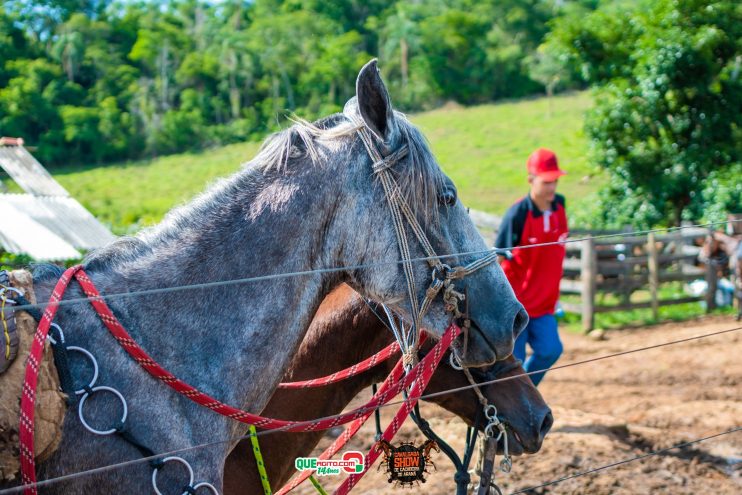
(482, 148)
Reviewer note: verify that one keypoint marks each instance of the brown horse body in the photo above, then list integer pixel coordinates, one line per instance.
(344, 321)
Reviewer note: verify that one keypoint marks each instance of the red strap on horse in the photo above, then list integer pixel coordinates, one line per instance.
(424, 371)
(423, 374)
(354, 370)
(28, 398)
(351, 430)
(145, 361)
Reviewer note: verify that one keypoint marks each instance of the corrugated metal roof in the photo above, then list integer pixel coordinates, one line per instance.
(47, 223)
(21, 234)
(63, 216)
(28, 173)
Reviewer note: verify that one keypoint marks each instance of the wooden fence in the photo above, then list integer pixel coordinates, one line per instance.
(623, 265)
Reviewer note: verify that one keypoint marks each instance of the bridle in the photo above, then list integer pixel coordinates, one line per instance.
(442, 278)
(442, 275)
(487, 448)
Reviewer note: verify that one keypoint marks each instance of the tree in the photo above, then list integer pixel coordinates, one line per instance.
(672, 117)
(401, 34)
(546, 68)
(97, 80)
(69, 49)
(29, 105)
(13, 45)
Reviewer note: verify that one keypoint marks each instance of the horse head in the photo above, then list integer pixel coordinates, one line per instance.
(401, 217)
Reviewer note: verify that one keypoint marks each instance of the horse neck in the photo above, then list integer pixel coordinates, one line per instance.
(232, 341)
(344, 332)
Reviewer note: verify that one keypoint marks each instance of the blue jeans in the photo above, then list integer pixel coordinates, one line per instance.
(542, 335)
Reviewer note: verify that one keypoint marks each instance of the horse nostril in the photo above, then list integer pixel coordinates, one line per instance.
(546, 424)
(520, 322)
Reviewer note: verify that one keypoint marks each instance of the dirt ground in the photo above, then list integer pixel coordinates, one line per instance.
(612, 410)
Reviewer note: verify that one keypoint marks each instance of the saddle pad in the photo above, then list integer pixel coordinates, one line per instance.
(50, 401)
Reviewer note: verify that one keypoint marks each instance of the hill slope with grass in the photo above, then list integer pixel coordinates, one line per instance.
(482, 148)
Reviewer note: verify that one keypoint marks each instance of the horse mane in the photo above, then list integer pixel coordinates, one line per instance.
(300, 140)
(45, 271)
(420, 179)
(123, 249)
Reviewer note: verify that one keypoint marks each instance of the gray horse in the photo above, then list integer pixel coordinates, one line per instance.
(308, 200)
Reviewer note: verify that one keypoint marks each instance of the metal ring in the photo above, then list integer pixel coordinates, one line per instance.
(49, 335)
(506, 464)
(207, 485)
(490, 411)
(175, 459)
(82, 403)
(489, 433)
(95, 367)
(441, 272)
(453, 360)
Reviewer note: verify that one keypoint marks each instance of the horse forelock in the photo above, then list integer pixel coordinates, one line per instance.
(419, 175)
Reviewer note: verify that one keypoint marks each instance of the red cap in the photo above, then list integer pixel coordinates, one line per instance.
(543, 163)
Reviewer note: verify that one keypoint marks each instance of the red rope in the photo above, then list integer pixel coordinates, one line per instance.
(28, 398)
(348, 372)
(350, 431)
(422, 375)
(157, 371)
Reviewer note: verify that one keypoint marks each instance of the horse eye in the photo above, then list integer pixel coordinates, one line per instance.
(448, 197)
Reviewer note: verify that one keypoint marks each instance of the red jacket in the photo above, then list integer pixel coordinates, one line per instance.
(534, 273)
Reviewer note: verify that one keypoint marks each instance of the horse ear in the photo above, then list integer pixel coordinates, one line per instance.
(373, 101)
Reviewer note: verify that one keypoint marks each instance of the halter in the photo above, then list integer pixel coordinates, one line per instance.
(442, 275)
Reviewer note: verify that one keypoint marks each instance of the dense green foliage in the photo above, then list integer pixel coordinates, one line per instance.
(667, 122)
(94, 80)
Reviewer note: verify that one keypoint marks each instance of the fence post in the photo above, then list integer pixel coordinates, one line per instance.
(588, 275)
(654, 273)
(711, 284)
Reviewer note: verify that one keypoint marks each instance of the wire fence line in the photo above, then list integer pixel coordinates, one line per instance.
(321, 271)
(111, 467)
(630, 459)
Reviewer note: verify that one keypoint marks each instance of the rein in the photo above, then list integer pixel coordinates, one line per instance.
(420, 374)
(348, 372)
(462, 476)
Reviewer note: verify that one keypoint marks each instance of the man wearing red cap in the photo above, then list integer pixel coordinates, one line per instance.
(535, 272)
